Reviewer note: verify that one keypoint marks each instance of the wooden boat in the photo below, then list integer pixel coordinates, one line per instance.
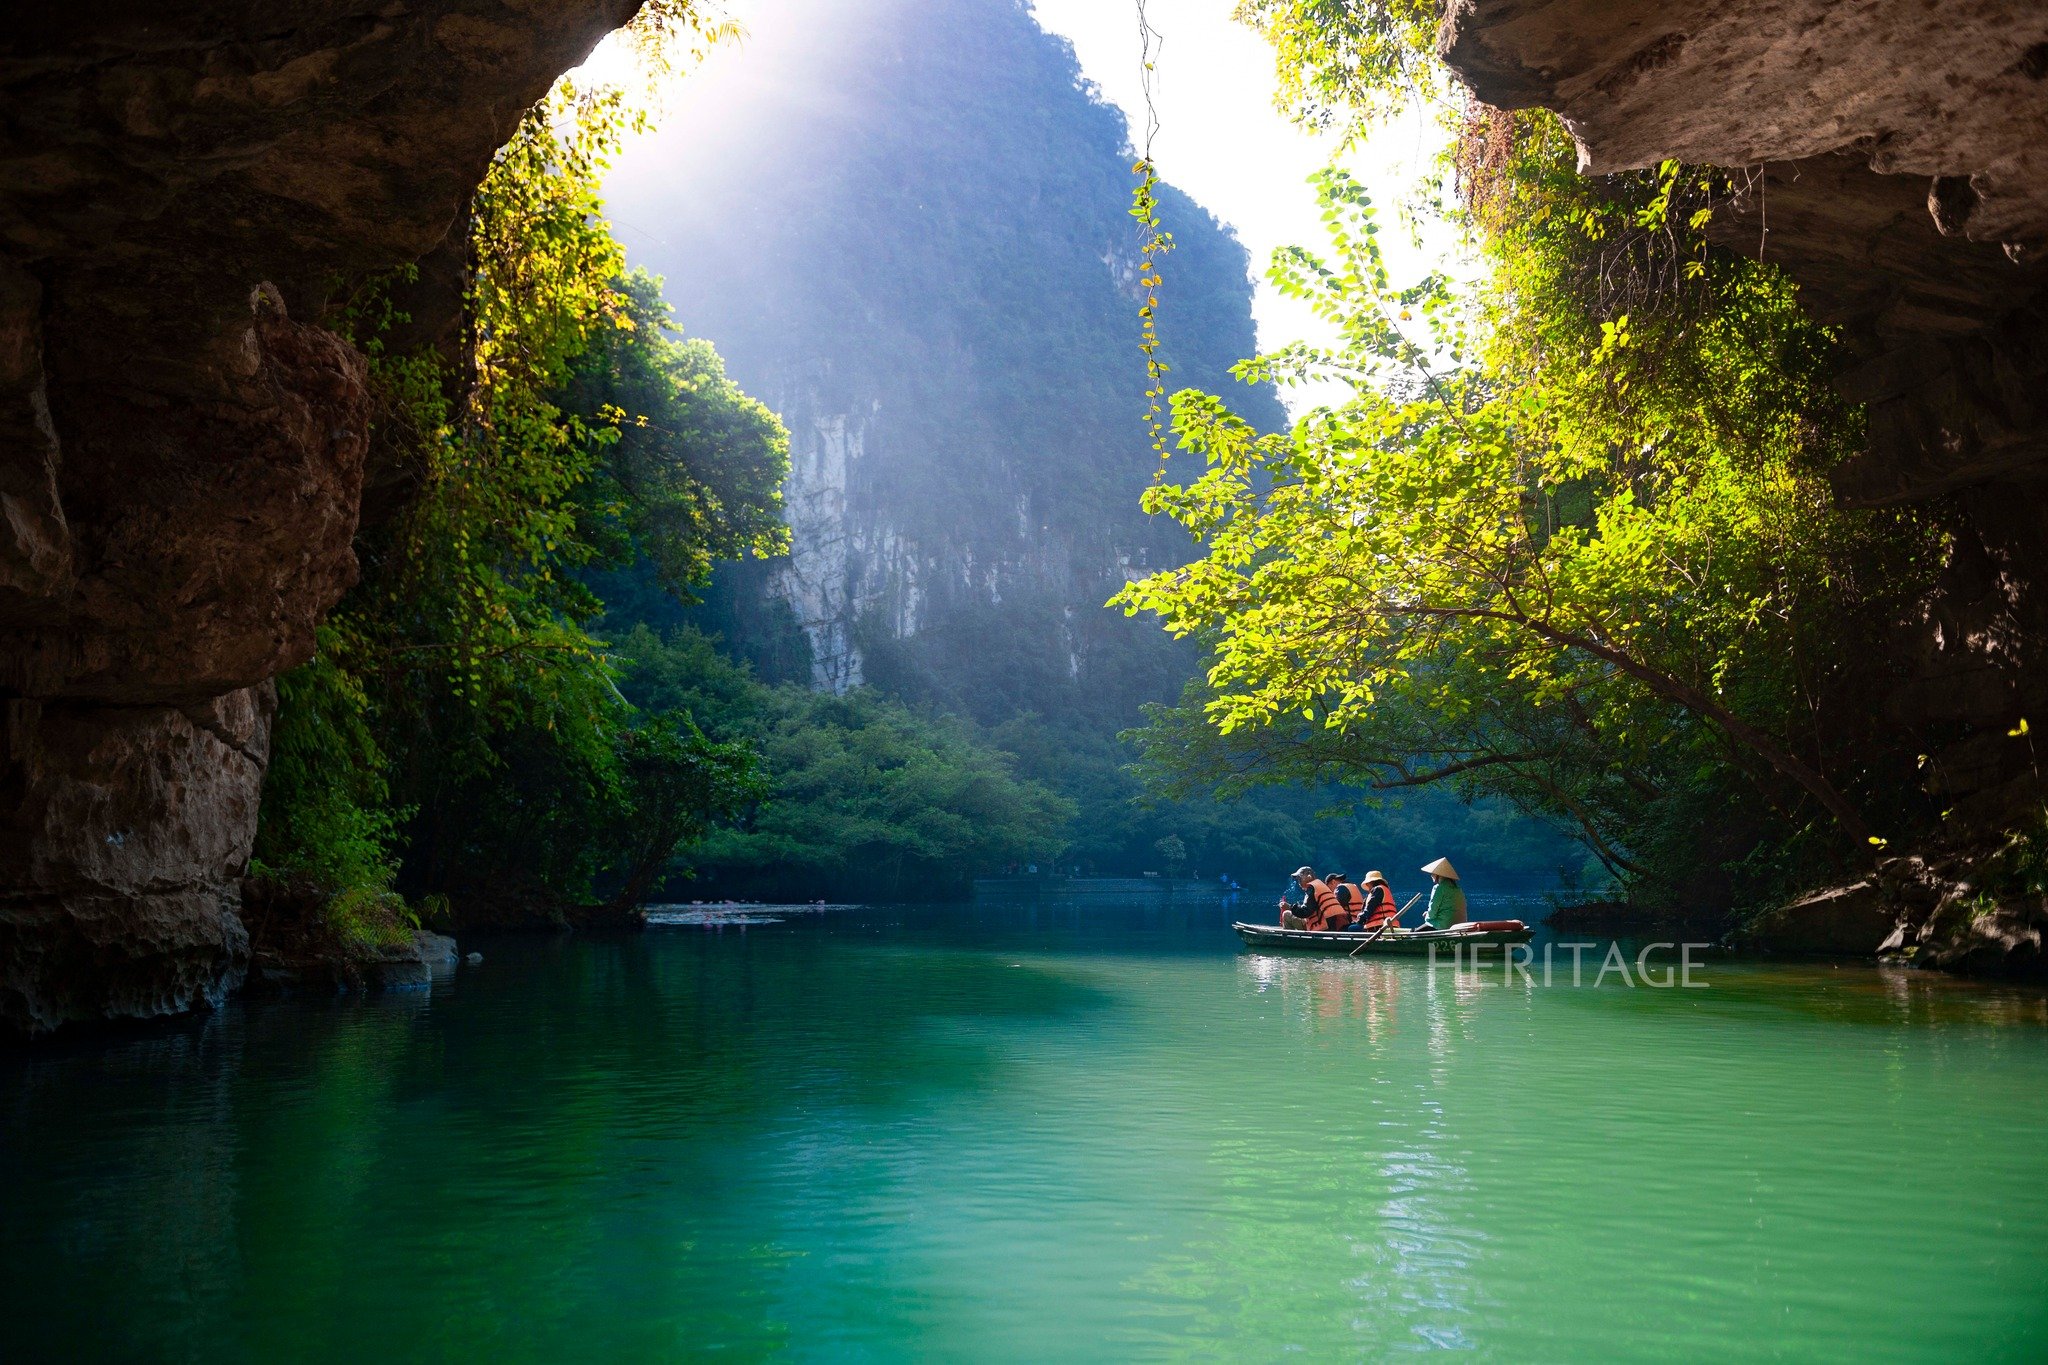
(1397, 942)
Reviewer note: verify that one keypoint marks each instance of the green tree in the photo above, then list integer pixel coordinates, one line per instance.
(678, 785)
(866, 797)
(1569, 540)
(1343, 64)
(461, 732)
(694, 473)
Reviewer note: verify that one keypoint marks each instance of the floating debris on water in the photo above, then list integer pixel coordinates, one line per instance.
(725, 914)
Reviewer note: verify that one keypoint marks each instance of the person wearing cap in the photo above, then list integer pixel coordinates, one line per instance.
(1350, 901)
(1318, 902)
(1304, 877)
(1446, 897)
(1379, 902)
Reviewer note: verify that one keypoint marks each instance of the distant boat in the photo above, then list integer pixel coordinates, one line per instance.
(1400, 942)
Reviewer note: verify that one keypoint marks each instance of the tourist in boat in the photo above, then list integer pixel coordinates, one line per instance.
(1328, 911)
(1380, 910)
(1350, 900)
(1446, 896)
(1318, 902)
(1294, 913)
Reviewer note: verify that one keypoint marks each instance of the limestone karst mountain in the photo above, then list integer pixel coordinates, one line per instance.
(912, 239)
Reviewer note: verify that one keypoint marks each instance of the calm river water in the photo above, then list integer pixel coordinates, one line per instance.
(1037, 1129)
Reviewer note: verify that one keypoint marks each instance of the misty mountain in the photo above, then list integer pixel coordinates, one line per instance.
(915, 245)
(905, 225)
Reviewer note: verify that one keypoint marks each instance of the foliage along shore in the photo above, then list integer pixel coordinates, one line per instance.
(483, 739)
(492, 737)
(1569, 547)
(1570, 541)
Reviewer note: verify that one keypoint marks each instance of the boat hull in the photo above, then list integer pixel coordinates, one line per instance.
(1272, 938)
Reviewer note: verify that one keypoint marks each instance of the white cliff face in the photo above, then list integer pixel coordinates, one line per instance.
(862, 566)
(943, 309)
(818, 580)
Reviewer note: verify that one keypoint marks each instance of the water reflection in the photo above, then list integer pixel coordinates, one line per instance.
(1059, 1131)
(238, 1177)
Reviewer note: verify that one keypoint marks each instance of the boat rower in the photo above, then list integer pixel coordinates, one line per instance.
(1446, 896)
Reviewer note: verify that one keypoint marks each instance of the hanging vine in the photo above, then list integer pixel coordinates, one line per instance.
(1158, 241)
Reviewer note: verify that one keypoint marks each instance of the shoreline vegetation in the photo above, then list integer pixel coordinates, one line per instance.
(1570, 542)
(493, 736)
(460, 740)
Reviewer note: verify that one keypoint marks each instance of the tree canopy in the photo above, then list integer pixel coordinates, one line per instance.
(460, 733)
(1568, 541)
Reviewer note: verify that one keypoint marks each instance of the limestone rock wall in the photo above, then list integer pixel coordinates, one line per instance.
(185, 186)
(870, 562)
(1901, 176)
(129, 827)
(1922, 88)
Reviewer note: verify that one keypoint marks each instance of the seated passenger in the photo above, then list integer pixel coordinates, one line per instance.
(1318, 903)
(1288, 918)
(1350, 901)
(1380, 909)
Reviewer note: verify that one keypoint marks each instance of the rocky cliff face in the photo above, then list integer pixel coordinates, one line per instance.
(1900, 174)
(874, 565)
(937, 290)
(183, 185)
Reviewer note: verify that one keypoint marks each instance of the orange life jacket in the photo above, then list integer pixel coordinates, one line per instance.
(1322, 906)
(1379, 903)
(1352, 900)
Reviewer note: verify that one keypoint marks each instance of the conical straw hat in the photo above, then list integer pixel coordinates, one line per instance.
(1442, 868)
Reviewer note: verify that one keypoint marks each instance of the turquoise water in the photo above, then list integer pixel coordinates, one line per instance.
(1041, 1130)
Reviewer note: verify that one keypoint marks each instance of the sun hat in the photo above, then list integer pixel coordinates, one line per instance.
(1442, 868)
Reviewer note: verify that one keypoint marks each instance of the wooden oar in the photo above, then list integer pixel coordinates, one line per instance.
(1392, 920)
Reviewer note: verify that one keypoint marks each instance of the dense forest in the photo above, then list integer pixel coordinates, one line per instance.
(472, 741)
(460, 736)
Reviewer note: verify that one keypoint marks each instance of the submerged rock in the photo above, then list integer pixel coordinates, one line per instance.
(415, 965)
(1959, 913)
(1942, 912)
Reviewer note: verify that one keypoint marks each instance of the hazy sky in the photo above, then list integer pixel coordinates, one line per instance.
(1220, 139)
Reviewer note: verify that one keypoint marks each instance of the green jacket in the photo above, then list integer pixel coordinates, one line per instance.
(1446, 905)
